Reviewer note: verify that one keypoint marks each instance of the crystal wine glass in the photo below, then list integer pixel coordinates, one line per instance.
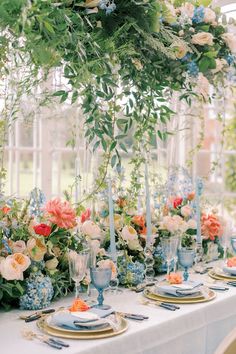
(174, 247)
(100, 278)
(78, 263)
(167, 250)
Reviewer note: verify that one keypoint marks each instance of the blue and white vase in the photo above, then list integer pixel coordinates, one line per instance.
(39, 292)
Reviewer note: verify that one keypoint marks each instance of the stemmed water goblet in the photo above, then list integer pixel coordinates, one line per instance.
(225, 238)
(101, 278)
(78, 263)
(186, 259)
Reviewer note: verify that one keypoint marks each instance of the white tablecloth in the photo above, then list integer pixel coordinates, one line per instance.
(194, 329)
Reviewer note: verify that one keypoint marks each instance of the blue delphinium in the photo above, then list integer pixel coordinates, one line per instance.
(37, 200)
(198, 16)
(39, 292)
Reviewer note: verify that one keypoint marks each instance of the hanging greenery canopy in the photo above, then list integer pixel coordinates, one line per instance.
(122, 59)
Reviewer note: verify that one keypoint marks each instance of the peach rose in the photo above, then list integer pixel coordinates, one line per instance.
(128, 233)
(107, 263)
(36, 249)
(187, 10)
(89, 228)
(186, 210)
(202, 38)
(19, 246)
(211, 227)
(118, 221)
(209, 15)
(180, 50)
(231, 262)
(191, 196)
(220, 64)
(13, 266)
(230, 40)
(174, 278)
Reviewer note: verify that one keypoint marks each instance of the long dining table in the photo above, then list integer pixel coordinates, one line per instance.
(193, 329)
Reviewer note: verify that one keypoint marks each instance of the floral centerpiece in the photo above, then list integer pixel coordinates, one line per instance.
(177, 220)
(34, 240)
(212, 227)
(130, 234)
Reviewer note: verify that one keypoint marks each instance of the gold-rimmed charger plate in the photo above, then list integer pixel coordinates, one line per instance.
(179, 300)
(42, 325)
(221, 276)
(85, 331)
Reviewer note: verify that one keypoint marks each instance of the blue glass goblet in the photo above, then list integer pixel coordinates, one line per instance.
(186, 258)
(101, 278)
(233, 243)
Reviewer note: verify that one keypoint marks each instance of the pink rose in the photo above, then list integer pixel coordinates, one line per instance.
(186, 210)
(19, 246)
(209, 15)
(203, 86)
(230, 40)
(192, 224)
(187, 10)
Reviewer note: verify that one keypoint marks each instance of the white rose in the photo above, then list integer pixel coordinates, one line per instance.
(191, 29)
(134, 245)
(192, 224)
(90, 229)
(51, 264)
(186, 210)
(230, 40)
(181, 33)
(128, 233)
(169, 224)
(209, 15)
(220, 64)
(187, 10)
(202, 38)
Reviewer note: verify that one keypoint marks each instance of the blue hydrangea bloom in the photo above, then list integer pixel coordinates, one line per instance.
(39, 292)
(198, 16)
(192, 68)
(231, 59)
(130, 273)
